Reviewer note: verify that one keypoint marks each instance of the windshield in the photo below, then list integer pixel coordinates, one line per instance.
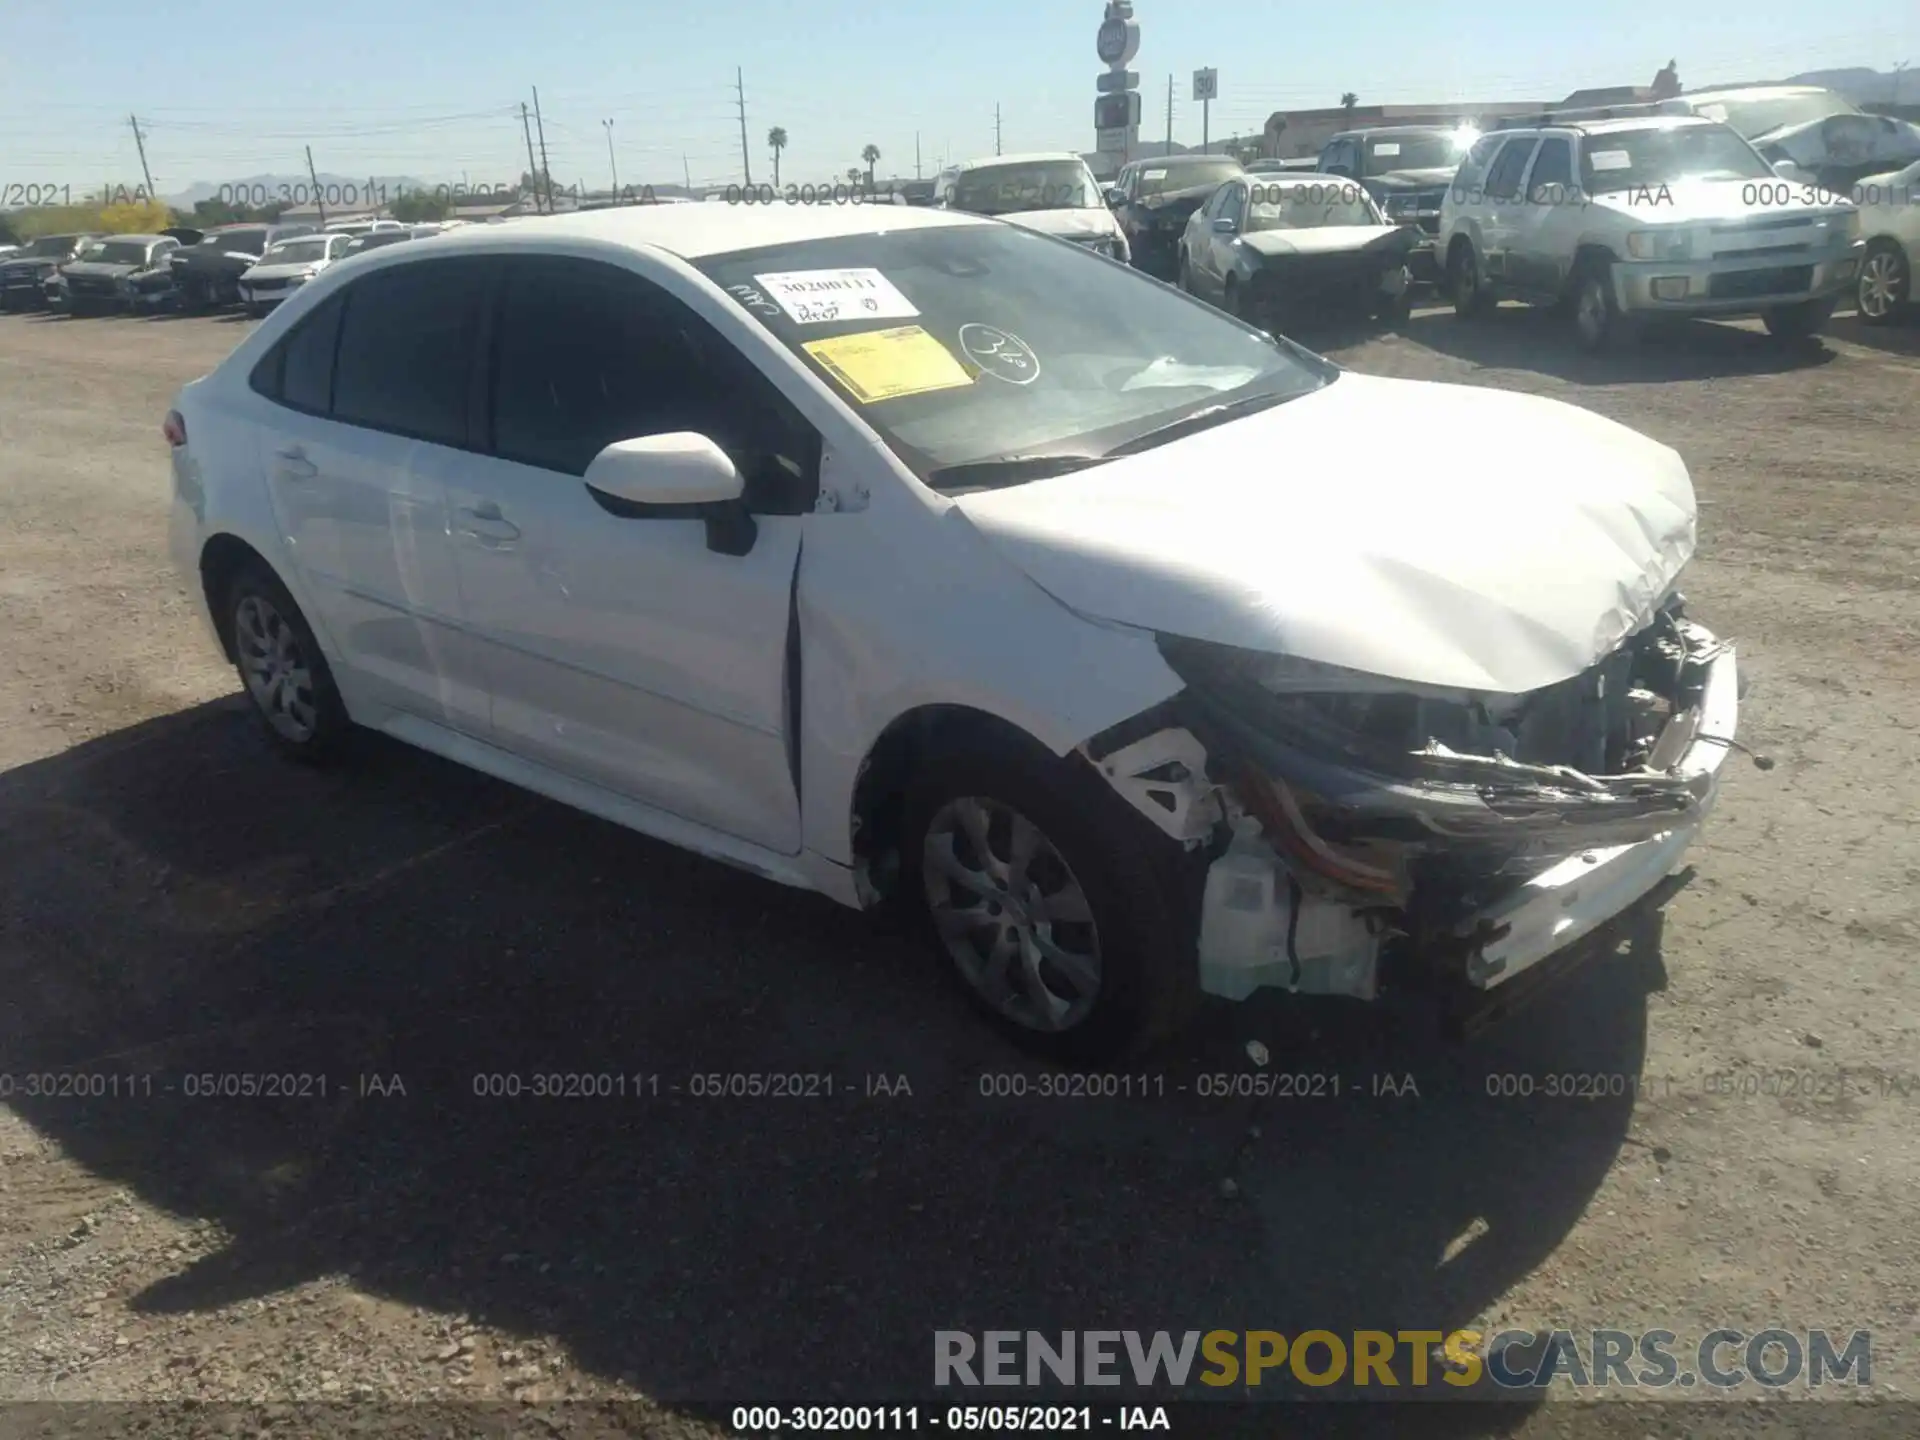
(297, 252)
(1185, 175)
(375, 240)
(1312, 206)
(251, 241)
(1757, 117)
(115, 252)
(51, 245)
(1665, 155)
(1033, 185)
(970, 345)
(1411, 152)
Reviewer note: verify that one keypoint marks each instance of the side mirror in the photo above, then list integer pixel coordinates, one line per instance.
(1225, 225)
(1789, 170)
(677, 476)
(1115, 199)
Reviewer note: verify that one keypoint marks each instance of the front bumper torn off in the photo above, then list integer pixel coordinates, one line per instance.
(1456, 874)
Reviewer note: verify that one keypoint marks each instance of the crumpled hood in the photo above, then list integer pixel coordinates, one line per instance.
(1526, 543)
(1327, 240)
(1692, 202)
(278, 271)
(1083, 224)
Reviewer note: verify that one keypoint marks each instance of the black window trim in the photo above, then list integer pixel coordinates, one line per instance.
(1532, 144)
(485, 374)
(1527, 181)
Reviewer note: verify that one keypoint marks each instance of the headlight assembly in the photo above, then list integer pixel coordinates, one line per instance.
(1660, 245)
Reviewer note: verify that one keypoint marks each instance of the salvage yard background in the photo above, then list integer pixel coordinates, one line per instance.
(174, 901)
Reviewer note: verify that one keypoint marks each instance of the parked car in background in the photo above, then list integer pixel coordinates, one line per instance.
(1155, 198)
(913, 192)
(1407, 169)
(208, 274)
(971, 602)
(1628, 220)
(1289, 166)
(360, 227)
(23, 275)
(380, 239)
(1890, 226)
(1055, 194)
(286, 267)
(1277, 250)
(108, 273)
(1830, 140)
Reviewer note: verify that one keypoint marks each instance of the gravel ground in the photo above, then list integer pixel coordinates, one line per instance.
(174, 904)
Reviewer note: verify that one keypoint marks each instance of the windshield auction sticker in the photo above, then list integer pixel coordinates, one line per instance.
(818, 297)
(886, 364)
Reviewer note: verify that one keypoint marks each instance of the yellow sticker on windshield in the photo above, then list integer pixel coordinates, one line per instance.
(886, 364)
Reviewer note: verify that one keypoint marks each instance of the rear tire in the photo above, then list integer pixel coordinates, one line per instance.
(1394, 311)
(1799, 322)
(282, 668)
(1183, 279)
(1059, 911)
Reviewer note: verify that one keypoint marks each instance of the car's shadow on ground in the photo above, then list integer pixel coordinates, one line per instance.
(1900, 338)
(1521, 337)
(178, 906)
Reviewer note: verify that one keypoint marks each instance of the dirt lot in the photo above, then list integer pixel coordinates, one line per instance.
(175, 903)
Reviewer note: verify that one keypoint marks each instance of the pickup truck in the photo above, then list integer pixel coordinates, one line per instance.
(1406, 169)
(208, 274)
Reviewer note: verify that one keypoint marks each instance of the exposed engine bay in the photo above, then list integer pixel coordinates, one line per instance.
(1352, 822)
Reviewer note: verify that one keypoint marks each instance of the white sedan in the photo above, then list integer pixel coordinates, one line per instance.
(284, 268)
(919, 559)
(1890, 224)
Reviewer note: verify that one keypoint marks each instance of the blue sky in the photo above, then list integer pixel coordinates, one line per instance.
(431, 89)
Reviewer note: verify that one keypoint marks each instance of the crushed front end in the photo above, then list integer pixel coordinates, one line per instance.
(1359, 832)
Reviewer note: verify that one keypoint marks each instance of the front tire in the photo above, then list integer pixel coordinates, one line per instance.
(282, 668)
(1471, 298)
(1183, 278)
(1799, 322)
(1598, 323)
(1886, 284)
(1059, 911)
(1394, 311)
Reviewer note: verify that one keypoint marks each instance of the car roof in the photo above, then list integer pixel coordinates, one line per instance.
(1618, 123)
(1757, 92)
(695, 231)
(143, 239)
(1030, 158)
(1384, 131)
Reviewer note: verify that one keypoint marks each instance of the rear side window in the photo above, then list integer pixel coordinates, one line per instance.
(1553, 168)
(405, 344)
(298, 372)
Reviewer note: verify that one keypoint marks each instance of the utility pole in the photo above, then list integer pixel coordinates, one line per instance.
(319, 203)
(533, 171)
(740, 95)
(1169, 149)
(996, 127)
(685, 173)
(140, 143)
(612, 164)
(1897, 75)
(546, 174)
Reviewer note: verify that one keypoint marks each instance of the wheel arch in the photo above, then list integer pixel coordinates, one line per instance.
(221, 558)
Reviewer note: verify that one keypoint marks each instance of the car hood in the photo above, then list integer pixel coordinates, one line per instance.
(1431, 179)
(1690, 202)
(28, 262)
(283, 272)
(211, 257)
(1327, 240)
(1081, 224)
(101, 269)
(1498, 568)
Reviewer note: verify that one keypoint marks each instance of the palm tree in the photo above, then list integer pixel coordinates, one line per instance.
(1348, 101)
(853, 174)
(776, 141)
(870, 154)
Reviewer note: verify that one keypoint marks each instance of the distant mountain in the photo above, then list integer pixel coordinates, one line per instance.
(335, 189)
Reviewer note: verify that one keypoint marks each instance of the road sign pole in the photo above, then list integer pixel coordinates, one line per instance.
(1206, 117)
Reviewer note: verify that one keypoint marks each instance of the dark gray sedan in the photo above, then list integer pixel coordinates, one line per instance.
(1275, 249)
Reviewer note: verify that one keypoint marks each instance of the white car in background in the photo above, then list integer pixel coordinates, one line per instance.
(285, 267)
(920, 560)
(1890, 224)
(1055, 194)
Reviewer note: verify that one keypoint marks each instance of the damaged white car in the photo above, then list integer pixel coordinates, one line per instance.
(919, 559)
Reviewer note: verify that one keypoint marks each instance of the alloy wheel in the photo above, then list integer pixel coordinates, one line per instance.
(275, 667)
(1881, 285)
(1011, 913)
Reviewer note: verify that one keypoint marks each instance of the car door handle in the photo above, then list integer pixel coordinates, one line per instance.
(295, 465)
(484, 523)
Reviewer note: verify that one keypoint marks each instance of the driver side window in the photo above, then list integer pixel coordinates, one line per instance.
(585, 354)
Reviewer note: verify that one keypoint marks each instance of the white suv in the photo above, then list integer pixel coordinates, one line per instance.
(1624, 220)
